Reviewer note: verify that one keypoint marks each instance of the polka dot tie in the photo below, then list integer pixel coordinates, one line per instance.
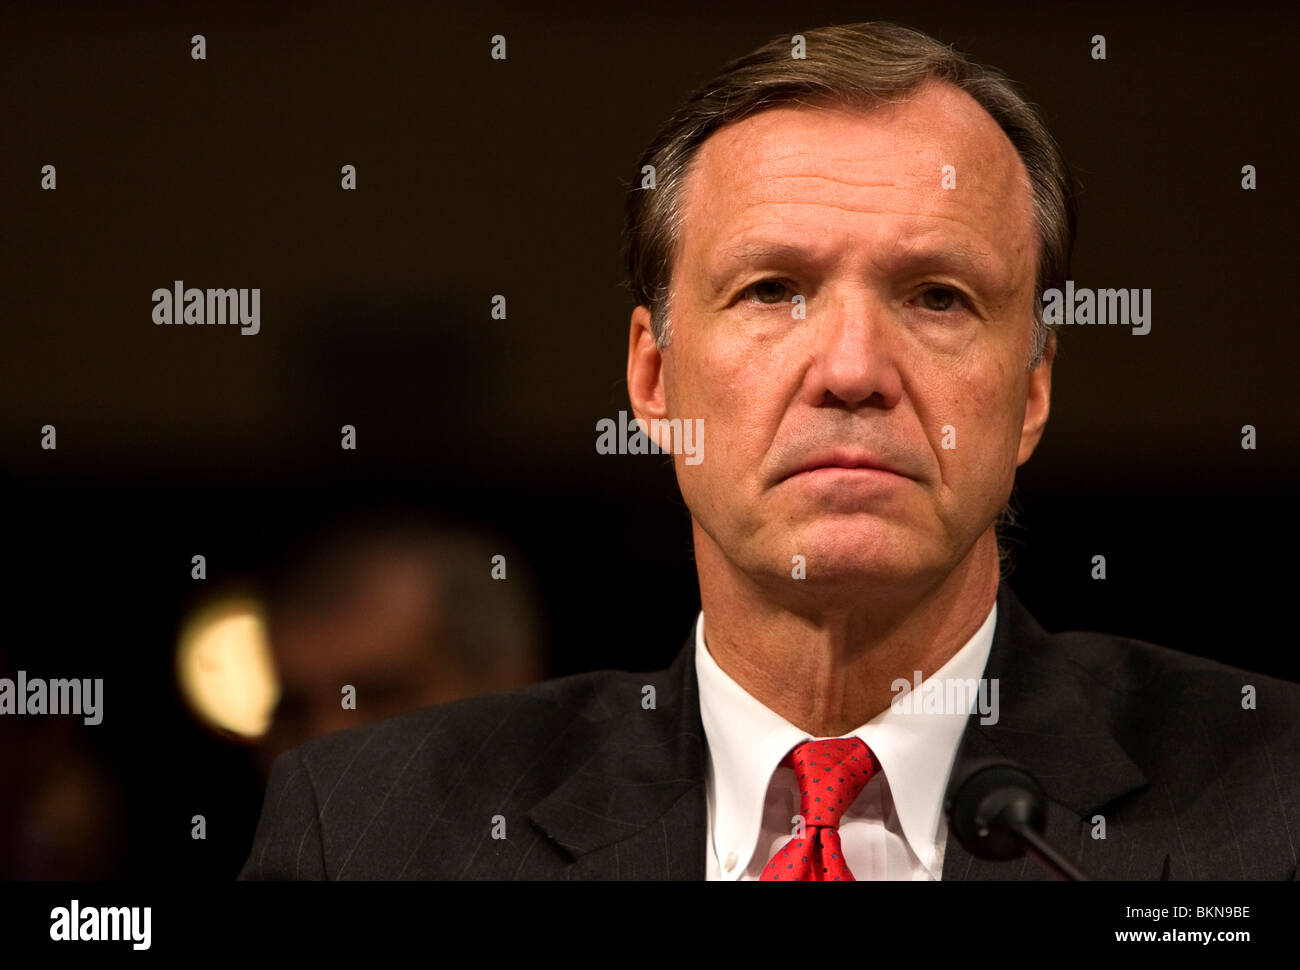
(831, 774)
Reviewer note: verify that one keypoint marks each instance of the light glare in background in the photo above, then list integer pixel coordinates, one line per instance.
(225, 668)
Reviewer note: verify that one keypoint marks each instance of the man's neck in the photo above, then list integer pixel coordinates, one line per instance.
(827, 667)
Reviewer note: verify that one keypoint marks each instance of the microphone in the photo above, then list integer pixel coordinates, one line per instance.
(998, 811)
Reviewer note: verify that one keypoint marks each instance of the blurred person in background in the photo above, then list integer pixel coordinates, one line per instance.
(408, 615)
(61, 809)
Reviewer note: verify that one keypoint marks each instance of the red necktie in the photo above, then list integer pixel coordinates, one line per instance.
(831, 774)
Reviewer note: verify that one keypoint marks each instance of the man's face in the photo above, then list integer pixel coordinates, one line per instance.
(911, 354)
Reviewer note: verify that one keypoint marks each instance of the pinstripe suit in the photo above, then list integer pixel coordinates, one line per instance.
(586, 783)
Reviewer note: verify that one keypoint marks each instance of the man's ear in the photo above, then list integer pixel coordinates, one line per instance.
(645, 369)
(1038, 402)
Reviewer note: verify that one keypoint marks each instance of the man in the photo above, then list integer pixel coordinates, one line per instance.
(839, 271)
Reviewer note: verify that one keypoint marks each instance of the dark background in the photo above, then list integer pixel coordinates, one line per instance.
(478, 177)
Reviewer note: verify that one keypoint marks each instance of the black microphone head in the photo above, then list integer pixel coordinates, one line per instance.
(987, 801)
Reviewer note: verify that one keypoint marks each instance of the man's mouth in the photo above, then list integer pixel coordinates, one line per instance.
(844, 460)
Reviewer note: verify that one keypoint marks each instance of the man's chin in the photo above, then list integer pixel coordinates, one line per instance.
(858, 549)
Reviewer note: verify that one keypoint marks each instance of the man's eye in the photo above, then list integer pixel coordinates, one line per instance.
(768, 291)
(939, 298)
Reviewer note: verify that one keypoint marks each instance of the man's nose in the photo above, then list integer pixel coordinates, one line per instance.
(855, 354)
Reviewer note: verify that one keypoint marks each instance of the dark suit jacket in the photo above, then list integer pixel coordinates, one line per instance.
(586, 783)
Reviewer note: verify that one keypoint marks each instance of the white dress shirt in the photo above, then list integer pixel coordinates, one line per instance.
(895, 829)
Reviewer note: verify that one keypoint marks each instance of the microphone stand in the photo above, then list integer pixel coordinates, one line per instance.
(998, 811)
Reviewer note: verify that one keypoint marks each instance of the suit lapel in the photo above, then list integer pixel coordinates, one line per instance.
(636, 809)
(1049, 723)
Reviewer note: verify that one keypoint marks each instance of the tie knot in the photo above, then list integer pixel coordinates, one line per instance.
(831, 774)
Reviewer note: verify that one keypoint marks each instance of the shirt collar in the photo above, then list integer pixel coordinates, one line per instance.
(915, 747)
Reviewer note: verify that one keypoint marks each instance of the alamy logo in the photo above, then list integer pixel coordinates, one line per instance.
(37, 696)
(242, 308)
(946, 695)
(1084, 307)
(624, 438)
(102, 923)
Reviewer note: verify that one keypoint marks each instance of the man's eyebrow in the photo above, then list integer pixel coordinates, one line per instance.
(751, 250)
(990, 273)
(725, 263)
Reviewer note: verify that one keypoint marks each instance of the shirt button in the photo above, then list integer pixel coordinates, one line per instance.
(731, 861)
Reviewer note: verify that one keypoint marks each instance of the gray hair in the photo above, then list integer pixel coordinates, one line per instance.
(865, 64)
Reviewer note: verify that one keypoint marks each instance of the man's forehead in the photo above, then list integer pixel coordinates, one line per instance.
(817, 163)
(904, 139)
